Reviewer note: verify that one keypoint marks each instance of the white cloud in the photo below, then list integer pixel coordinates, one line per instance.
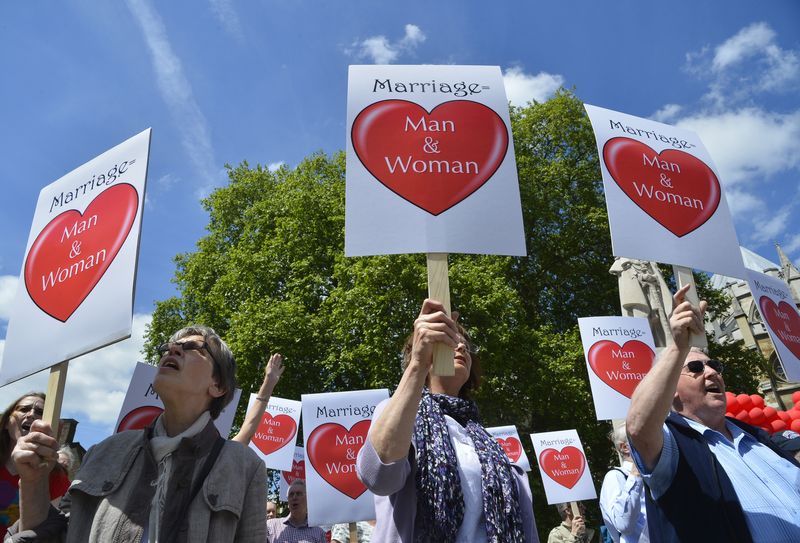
(769, 227)
(792, 244)
(521, 88)
(747, 42)
(749, 144)
(226, 15)
(667, 113)
(275, 166)
(8, 290)
(382, 51)
(177, 93)
(96, 382)
(743, 203)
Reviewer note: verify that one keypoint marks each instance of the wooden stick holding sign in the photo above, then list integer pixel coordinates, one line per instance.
(55, 395)
(684, 276)
(576, 512)
(353, 533)
(439, 289)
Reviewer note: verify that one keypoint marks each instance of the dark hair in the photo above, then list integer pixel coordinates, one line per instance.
(224, 364)
(5, 438)
(475, 373)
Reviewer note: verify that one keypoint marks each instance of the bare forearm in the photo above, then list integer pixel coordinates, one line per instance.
(34, 502)
(390, 434)
(253, 417)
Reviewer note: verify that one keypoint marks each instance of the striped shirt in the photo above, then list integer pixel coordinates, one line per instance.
(768, 486)
(280, 530)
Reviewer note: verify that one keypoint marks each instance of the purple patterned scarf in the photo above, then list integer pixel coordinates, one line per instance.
(440, 502)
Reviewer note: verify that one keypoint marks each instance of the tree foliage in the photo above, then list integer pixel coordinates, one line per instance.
(271, 276)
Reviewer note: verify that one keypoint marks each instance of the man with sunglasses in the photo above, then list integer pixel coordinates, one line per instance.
(176, 481)
(709, 479)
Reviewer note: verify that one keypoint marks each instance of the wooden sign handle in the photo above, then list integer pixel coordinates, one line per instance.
(353, 532)
(576, 512)
(439, 289)
(684, 276)
(55, 396)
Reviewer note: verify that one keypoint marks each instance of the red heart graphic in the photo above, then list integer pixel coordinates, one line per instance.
(511, 446)
(274, 433)
(139, 418)
(332, 450)
(71, 254)
(643, 175)
(298, 472)
(433, 160)
(621, 368)
(565, 466)
(784, 321)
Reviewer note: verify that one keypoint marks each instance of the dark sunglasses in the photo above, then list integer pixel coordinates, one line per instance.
(698, 366)
(191, 345)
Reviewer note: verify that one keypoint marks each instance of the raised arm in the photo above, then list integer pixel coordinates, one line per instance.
(34, 456)
(272, 375)
(390, 433)
(653, 397)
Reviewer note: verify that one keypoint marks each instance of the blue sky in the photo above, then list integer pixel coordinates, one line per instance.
(222, 81)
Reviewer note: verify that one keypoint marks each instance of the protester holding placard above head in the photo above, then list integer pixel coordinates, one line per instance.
(16, 422)
(294, 527)
(710, 479)
(572, 529)
(176, 480)
(437, 475)
(622, 500)
(272, 375)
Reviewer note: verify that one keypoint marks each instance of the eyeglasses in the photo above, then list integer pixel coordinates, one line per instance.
(191, 345)
(698, 366)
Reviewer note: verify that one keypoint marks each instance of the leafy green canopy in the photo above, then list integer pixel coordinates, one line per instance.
(271, 276)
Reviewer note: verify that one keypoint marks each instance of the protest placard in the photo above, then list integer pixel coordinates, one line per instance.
(430, 162)
(664, 198)
(562, 465)
(779, 313)
(508, 438)
(619, 352)
(142, 405)
(298, 471)
(335, 427)
(79, 269)
(276, 435)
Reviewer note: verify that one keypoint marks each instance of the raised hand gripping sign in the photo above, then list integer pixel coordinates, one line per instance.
(509, 440)
(780, 316)
(562, 465)
(277, 432)
(664, 197)
(297, 471)
(76, 284)
(430, 162)
(335, 427)
(619, 352)
(142, 405)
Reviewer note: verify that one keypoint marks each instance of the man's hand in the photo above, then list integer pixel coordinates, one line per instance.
(686, 319)
(35, 453)
(578, 526)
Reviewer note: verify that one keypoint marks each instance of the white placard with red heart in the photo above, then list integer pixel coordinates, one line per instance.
(563, 467)
(335, 426)
(76, 285)
(774, 301)
(298, 471)
(509, 440)
(430, 162)
(664, 195)
(142, 405)
(276, 435)
(619, 352)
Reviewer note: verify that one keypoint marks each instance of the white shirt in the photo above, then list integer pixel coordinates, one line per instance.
(623, 506)
(473, 528)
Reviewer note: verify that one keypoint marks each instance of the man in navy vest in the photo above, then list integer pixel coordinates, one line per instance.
(709, 479)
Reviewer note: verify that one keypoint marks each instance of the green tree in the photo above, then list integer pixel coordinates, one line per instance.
(271, 276)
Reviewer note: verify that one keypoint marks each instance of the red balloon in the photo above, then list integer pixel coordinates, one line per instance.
(795, 426)
(796, 396)
(794, 414)
(757, 400)
(784, 416)
(730, 399)
(777, 426)
(756, 416)
(745, 401)
(743, 415)
(770, 412)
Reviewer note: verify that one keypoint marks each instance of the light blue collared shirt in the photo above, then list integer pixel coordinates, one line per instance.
(623, 506)
(767, 485)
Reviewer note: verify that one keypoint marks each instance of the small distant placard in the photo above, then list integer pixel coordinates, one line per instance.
(780, 316)
(664, 196)
(619, 352)
(276, 435)
(563, 467)
(430, 162)
(298, 471)
(508, 438)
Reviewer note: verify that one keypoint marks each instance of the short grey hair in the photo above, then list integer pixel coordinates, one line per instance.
(618, 436)
(224, 363)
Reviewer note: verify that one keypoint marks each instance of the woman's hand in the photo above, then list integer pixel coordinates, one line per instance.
(431, 327)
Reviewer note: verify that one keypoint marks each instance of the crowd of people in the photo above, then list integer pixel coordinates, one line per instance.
(687, 473)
